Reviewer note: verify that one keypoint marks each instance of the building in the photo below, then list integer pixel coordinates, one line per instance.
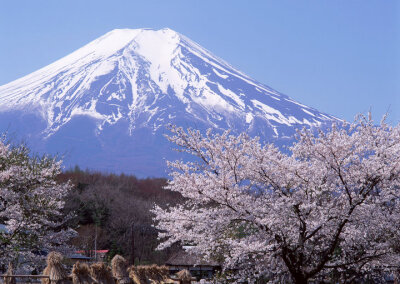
(74, 257)
(198, 268)
(95, 255)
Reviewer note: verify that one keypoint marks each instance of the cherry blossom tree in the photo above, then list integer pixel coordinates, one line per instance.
(30, 205)
(325, 208)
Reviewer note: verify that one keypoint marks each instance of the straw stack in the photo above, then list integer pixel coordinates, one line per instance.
(144, 274)
(119, 270)
(184, 276)
(81, 274)
(55, 270)
(101, 274)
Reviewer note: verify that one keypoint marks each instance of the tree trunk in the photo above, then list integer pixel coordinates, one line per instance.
(299, 278)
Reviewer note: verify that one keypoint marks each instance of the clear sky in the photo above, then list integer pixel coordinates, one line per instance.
(339, 56)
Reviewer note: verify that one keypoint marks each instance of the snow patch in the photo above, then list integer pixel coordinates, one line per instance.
(271, 113)
(308, 112)
(249, 117)
(232, 95)
(219, 74)
(87, 112)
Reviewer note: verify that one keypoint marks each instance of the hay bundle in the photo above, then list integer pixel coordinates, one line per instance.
(10, 271)
(101, 273)
(184, 276)
(55, 270)
(119, 270)
(81, 274)
(144, 274)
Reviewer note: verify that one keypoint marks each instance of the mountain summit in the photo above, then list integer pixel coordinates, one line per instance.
(106, 104)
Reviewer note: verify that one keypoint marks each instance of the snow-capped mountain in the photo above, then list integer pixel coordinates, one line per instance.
(105, 105)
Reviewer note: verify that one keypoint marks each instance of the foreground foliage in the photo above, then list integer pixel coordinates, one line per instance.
(30, 205)
(327, 209)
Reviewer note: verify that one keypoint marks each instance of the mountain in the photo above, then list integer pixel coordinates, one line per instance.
(105, 106)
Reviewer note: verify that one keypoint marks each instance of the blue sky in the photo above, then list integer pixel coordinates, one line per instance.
(341, 57)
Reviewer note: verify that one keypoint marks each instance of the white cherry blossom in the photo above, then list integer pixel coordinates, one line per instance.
(30, 205)
(326, 208)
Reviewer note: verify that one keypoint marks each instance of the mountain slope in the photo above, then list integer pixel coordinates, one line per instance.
(106, 104)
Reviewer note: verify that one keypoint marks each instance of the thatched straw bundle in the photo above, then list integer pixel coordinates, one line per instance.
(184, 276)
(55, 270)
(119, 270)
(81, 274)
(10, 271)
(101, 273)
(144, 274)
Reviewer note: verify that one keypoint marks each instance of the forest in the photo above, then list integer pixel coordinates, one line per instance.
(112, 206)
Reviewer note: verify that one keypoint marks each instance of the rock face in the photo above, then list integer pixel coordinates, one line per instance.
(105, 106)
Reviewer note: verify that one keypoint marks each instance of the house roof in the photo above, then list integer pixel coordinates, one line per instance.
(183, 258)
(78, 256)
(93, 251)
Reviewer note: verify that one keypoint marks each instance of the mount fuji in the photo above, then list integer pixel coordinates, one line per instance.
(105, 106)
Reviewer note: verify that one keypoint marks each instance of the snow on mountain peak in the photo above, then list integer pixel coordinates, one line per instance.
(107, 102)
(147, 77)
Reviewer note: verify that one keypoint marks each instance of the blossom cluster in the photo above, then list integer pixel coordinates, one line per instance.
(30, 205)
(327, 207)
